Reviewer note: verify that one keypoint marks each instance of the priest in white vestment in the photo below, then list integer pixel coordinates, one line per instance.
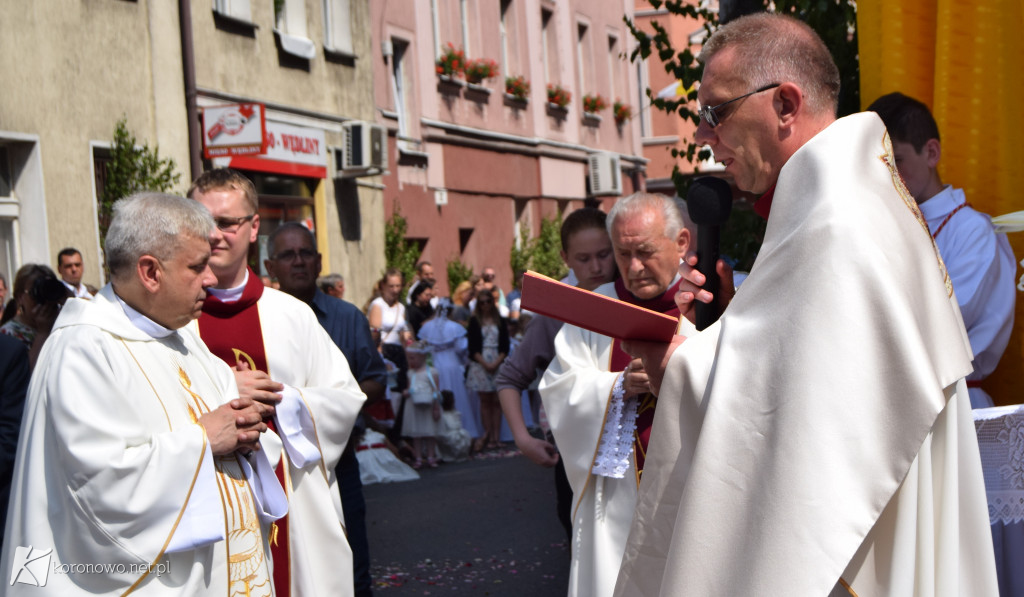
(817, 439)
(596, 396)
(283, 356)
(139, 469)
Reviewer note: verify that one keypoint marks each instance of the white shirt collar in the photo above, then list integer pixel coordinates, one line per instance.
(230, 295)
(147, 325)
(942, 203)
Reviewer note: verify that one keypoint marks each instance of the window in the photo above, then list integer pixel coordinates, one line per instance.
(101, 158)
(642, 103)
(509, 40)
(583, 58)
(550, 49)
(235, 9)
(22, 203)
(399, 86)
(338, 26)
(464, 23)
(8, 220)
(614, 68)
(291, 27)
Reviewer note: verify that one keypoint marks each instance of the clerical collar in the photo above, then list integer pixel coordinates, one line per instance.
(763, 206)
(147, 325)
(230, 295)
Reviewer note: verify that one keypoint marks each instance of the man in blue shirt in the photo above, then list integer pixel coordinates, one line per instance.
(295, 262)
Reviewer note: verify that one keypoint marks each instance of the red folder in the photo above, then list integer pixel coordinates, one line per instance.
(595, 312)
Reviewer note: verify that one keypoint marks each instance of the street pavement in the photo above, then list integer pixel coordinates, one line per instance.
(485, 527)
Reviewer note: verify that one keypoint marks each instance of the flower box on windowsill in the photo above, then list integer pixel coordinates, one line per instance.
(451, 80)
(515, 101)
(591, 119)
(478, 88)
(553, 107)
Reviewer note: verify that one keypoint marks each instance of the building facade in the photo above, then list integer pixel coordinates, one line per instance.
(471, 164)
(73, 73)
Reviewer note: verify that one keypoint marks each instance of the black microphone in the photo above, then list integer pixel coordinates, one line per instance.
(709, 202)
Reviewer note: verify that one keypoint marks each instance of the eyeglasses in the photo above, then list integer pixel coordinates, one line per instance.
(290, 256)
(228, 224)
(710, 113)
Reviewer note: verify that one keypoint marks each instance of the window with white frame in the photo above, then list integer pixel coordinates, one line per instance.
(9, 260)
(643, 104)
(550, 45)
(22, 203)
(509, 45)
(584, 59)
(614, 68)
(236, 9)
(338, 26)
(290, 19)
(464, 25)
(400, 87)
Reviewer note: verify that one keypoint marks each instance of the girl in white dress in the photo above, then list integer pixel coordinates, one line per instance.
(422, 406)
(452, 440)
(447, 342)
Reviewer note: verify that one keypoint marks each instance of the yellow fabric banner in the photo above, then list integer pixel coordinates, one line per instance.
(966, 61)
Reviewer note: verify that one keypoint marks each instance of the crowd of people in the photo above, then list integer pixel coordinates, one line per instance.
(465, 337)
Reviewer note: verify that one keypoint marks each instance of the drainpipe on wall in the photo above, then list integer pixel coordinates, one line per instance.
(189, 71)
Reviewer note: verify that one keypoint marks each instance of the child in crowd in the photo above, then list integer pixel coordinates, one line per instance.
(453, 441)
(378, 461)
(422, 409)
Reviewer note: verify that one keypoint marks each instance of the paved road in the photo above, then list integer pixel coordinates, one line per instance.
(484, 527)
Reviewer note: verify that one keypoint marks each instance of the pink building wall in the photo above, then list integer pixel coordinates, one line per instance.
(468, 167)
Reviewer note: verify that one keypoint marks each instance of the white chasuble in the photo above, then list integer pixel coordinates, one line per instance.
(576, 390)
(818, 437)
(301, 355)
(117, 478)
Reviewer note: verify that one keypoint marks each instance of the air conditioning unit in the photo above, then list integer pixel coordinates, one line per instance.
(365, 146)
(605, 174)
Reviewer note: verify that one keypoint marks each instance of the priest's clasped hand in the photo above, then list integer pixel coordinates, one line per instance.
(655, 356)
(257, 385)
(635, 380)
(235, 426)
(690, 287)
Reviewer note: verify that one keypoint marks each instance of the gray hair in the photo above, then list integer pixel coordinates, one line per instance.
(774, 48)
(329, 281)
(672, 210)
(286, 227)
(152, 224)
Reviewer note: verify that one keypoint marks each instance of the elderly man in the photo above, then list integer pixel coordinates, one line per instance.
(295, 263)
(818, 438)
(597, 398)
(71, 268)
(283, 357)
(137, 456)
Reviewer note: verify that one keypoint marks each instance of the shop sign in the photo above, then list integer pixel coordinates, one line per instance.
(290, 149)
(235, 129)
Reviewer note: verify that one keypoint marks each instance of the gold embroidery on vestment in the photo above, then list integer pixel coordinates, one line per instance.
(889, 159)
(847, 586)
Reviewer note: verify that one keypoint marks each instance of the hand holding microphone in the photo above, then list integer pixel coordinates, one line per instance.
(709, 202)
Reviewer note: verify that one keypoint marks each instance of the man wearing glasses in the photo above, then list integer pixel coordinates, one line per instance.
(295, 263)
(817, 439)
(283, 357)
